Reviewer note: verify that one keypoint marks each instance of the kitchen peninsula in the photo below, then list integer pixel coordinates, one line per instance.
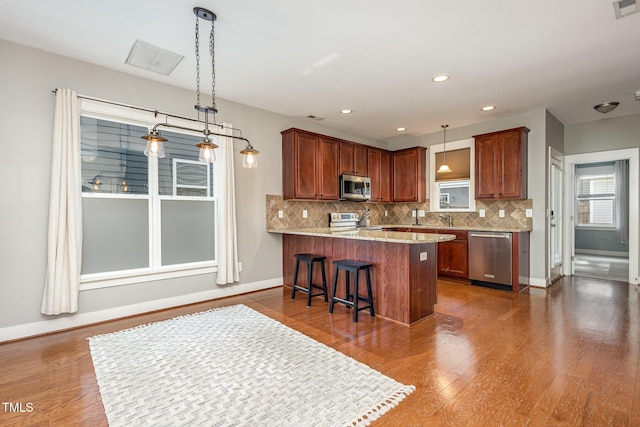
(404, 272)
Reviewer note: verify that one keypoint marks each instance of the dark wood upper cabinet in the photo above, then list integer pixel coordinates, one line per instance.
(409, 175)
(501, 164)
(353, 159)
(309, 166)
(380, 173)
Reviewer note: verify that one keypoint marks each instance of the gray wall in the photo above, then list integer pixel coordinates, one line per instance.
(27, 77)
(599, 240)
(603, 135)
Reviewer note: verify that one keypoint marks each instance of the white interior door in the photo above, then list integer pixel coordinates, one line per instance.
(555, 214)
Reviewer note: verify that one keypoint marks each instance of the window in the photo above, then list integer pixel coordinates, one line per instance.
(452, 191)
(143, 218)
(596, 201)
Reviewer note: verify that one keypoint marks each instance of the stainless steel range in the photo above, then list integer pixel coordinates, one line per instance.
(343, 220)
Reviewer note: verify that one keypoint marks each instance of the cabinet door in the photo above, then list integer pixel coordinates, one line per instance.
(305, 166)
(360, 160)
(453, 259)
(328, 158)
(409, 178)
(385, 176)
(346, 157)
(485, 167)
(509, 176)
(374, 173)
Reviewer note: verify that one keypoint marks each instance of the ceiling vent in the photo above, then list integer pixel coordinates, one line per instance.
(623, 8)
(153, 58)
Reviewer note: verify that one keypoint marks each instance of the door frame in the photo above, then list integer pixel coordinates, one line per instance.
(631, 154)
(555, 158)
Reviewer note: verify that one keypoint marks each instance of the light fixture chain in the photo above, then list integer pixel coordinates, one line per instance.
(213, 66)
(197, 60)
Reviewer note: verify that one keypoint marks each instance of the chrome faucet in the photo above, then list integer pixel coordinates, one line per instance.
(447, 217)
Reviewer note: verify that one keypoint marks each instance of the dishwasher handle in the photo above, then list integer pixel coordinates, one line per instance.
(494, 236)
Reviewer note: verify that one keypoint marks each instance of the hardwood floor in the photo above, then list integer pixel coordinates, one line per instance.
(568, 356)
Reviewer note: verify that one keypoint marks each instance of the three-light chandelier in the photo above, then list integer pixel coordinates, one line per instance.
(155, 140)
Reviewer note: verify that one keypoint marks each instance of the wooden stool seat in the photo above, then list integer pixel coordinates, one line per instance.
(351, 299)
(309, 259)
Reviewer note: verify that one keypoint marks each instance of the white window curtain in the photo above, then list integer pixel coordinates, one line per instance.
(64, 248)
(226, 228)
(622, 200)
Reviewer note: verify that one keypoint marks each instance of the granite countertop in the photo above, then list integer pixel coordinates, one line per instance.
(373, 235)
(444, 228)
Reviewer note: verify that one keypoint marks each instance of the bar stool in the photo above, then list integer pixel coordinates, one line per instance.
(351, 300)
(309, 259)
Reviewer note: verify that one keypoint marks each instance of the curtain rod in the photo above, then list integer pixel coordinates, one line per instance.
(149, 110)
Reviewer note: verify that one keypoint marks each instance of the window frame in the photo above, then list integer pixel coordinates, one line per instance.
(155, 271)
(434, 200)
(601, 196)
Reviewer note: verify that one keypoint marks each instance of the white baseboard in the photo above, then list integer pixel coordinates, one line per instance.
(536, 282)
(602, 253)
(83, 319)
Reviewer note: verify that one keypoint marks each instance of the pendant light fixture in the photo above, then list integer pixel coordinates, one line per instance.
(155, 146)
(444, 168)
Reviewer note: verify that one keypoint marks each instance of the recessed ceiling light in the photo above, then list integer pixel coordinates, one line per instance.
(440, 78)
(346, 111)
(489, 108)
(401, 129)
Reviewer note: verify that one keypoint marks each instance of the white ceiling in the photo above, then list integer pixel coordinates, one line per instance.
(376, 57)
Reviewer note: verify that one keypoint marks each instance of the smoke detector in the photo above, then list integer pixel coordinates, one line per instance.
(605, 107)
(622, 8)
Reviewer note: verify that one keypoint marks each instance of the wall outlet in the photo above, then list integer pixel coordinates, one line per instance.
(413, 213)
(501, 213)
(482, 213)
(421, 213)
(239, 266)
(386, 213)
(529, 213)
(280, 213)
(304, 213)
(423, 256)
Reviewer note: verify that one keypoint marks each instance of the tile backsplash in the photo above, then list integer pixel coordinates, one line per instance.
(393, 213)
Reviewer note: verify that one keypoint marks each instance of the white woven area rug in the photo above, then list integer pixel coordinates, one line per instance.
(234, 367)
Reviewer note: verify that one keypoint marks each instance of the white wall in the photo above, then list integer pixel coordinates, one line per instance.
(27, 77)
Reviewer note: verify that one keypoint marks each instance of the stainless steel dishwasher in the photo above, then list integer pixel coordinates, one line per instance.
(490, 257)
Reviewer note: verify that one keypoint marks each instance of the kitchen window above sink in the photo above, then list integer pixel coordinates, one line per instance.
(452, 191)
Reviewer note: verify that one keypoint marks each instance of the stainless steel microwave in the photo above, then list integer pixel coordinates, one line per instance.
(356, 188)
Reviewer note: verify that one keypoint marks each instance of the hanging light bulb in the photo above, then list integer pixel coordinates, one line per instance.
(444, 168)
(155, 146)
(249, 160)
(207, 153)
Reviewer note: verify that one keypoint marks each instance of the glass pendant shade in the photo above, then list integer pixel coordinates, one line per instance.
(250, 159)
(207, 151)
(444, 168)
(155, 146)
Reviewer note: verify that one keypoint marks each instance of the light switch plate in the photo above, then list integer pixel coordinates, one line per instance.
(423, 256)
(529, 213)
(501, 213)
(481, 213)
(413, 213)
(421, 213)
(280, 213)
(304, 213)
